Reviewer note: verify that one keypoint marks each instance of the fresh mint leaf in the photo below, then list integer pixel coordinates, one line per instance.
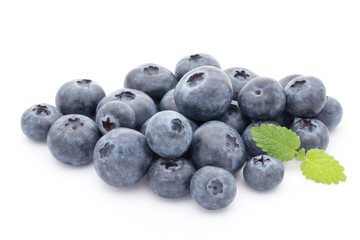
(276, 141)
(322, 168)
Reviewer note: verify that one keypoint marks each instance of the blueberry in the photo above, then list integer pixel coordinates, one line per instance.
(285, 80)
(204, 93)
(193, 125)
(305, 96)
(239, 77)
(37, 120)
(284, 119)
(143, 105)
(213, 187)
(331, 114)
(170, 178)
(122, 157)
(217, 144)
(312, 132)
(71, 139)
(115, 114)
(143, 127)
(152, 79)
(191, 62)
(168, 102)
(168, 134)
(262, 98)
(143, 130)
(250, 145)
(263, 172)
(79, 96)
(235, 118)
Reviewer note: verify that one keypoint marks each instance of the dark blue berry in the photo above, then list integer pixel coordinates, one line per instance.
(213, 187)
(115, 114)
(122, 157)
(284, 119)
(262, 99)
(235, 118)
(263, 172)
(239, 77)
(331, 114)
(170, 178)
(37, 120)
(168, 134)
(191, 62)
(312, 132)
(204, 93)
(305, 96)
(152, 79)
(71, 139)
(80, 96)
(168, 102)
(143, 105)
(217, 144)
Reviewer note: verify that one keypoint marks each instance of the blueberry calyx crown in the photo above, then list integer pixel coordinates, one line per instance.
(241, 74)
(195, 79)
(258, 92)
(170, 164)
(297, 83)
(74, 123)
(195, 57)
(231, 142)
(307, 123)
(150, 70)
(230, 111)
(261, 159)
(126, 95)
(215, 186)
(108, 125)
(106, 150)
(177, 125)
(41, 109)
(83, 82)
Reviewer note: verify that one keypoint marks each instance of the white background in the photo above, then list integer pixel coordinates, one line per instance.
(46, 43)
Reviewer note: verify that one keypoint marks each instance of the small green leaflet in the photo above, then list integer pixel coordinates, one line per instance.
(276, 141)
(301, 154)
(322, 168)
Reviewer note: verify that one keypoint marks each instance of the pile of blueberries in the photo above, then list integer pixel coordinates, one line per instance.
(189, 132)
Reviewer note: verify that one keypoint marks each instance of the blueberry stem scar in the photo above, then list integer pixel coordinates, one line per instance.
(195, 57)
(195, 79)
(241, 74)
(298, 83)
(261, 159)
(151, 70)
(169, 164)
(126, 95)
(307, 123)
(41, 109)
(108, 125)
(84, 82)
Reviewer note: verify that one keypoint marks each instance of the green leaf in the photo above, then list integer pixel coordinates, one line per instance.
(301, 154)
(322, 168)
(276, 141)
